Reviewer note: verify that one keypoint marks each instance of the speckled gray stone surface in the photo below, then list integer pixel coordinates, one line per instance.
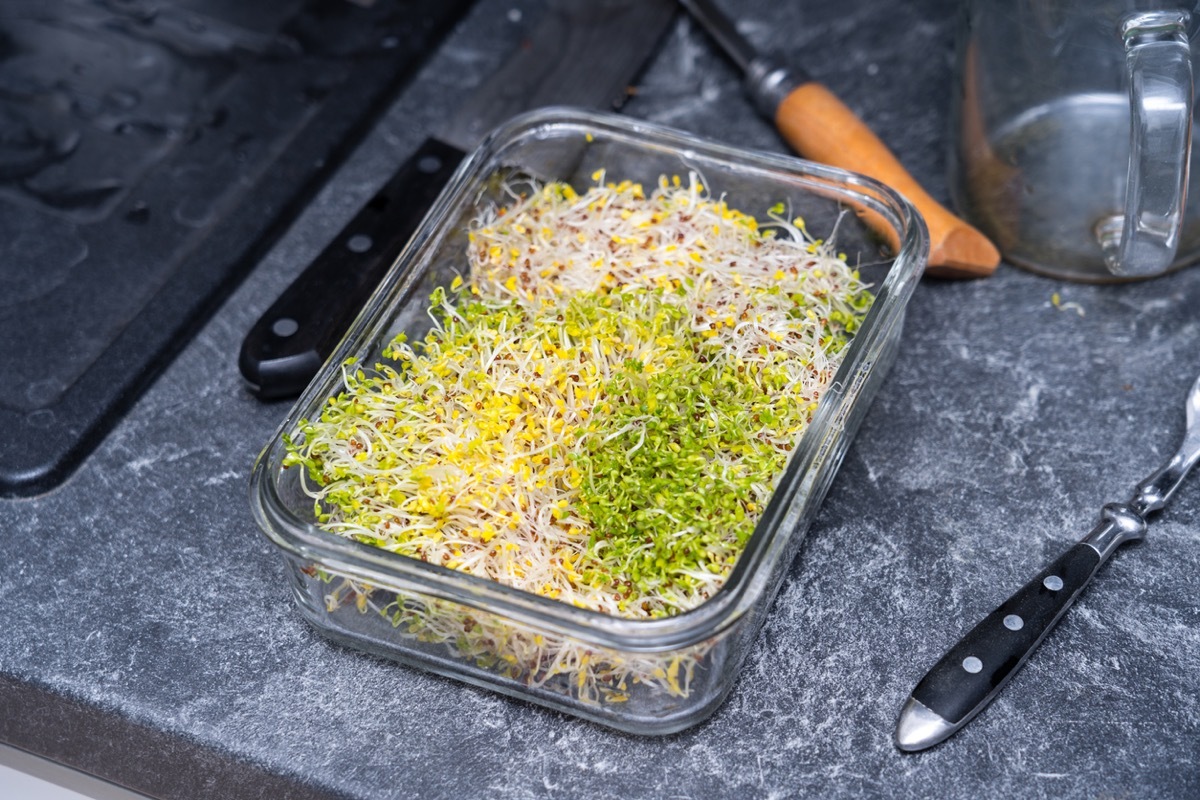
(146, 633)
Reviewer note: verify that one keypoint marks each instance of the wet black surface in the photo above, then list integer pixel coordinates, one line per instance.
(131, 134)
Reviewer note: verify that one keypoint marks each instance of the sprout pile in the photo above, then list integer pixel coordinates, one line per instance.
(599, 413)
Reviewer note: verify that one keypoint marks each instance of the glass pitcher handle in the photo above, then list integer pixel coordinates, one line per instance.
(1159, 66)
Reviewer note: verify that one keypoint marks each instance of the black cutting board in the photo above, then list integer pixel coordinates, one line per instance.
(150, 152)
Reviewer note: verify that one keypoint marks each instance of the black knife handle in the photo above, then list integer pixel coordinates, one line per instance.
(287, 346)
(966, 679)
(978, 666)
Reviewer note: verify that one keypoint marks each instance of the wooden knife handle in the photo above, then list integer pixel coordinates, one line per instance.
(822, 128)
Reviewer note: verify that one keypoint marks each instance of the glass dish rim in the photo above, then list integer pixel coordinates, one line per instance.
(380, 568)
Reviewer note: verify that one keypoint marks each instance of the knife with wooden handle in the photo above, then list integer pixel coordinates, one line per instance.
(822, 128)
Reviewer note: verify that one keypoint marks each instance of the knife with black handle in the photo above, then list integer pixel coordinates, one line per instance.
(290, 342)
(972, 672)
(582, 53)
(965, 680)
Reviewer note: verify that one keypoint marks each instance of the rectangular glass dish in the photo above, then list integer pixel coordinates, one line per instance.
(649, 675)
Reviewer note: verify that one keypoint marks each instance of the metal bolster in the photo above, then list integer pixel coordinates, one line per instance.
(1119, 524)
(768, 82)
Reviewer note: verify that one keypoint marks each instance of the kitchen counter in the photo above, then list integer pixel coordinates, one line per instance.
(147, 634)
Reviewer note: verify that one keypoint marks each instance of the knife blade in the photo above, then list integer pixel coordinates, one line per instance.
(821, 127)
(581, 53)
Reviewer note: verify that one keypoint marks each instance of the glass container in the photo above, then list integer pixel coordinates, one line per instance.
(646, 676)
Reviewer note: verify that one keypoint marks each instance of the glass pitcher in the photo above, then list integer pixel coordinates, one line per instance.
(1073, 133)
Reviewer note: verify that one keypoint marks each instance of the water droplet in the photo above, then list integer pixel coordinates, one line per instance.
(85, 195)
(123, 98)
(285, 327)
(42, 418)
(195, 212)
(25, 149)
(66, 142)
(138, 10)
(40, 394)
(138, 214)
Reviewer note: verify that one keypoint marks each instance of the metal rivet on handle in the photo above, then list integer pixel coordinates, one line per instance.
(284, 327)
(1053, 583)
(972, 664)
(1013, 622)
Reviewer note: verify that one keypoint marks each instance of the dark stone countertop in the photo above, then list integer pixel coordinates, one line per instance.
(148, 635)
